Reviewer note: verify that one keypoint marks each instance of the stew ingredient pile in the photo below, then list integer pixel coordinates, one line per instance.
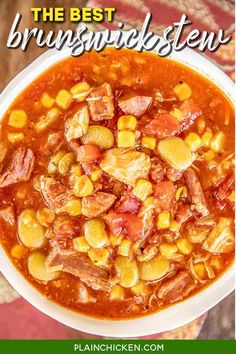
(117, 183)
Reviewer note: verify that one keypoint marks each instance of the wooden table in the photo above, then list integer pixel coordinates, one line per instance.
(220, 320)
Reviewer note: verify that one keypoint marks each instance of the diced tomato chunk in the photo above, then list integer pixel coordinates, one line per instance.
(136, 105)
(164, 193)
(190, 112)
(129, 225)
(88, 153)
(130, 204)
(163, 126)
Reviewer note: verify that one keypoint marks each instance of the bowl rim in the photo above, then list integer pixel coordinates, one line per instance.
(172, 317)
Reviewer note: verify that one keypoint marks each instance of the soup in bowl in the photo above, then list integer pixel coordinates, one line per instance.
(117, 187)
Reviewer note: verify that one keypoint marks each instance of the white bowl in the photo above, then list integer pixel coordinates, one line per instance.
(170, 318)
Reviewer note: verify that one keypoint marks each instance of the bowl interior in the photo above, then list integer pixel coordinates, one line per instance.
(167, 319)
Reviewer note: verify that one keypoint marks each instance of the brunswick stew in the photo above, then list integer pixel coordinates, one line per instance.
(117, 183)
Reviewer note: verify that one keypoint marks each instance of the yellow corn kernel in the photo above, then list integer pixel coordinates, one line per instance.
(53, 163)
(163, 220)
(95, 175)
(80, 88)
(80, 91)
(201, 125)
(217, 142)
(126, 138)
(18, 251)
(174, 226)
(36, 183)
(15, 137)
(115, 65)
(206, 138)
(184, 246)
(112, 76)
(167, 249)
(215, 263)
(115, 240)
(183, 91)
(45, 216)
(136, 246)
(194, 141)
(108, 243)
(65, 163)
(200, 270)
(124, 69)
(141, 289)
(75, 171)
(209, 155)
(73, 207)
(231, 197)
(177, 113)
(45, 121)
(107, 217)
(127, 122)
(125, 248)
(63, 99)
(96, 69)
(47, 101)
(139, 60)
(83, 186)
(117, 293)
(149, 202)
(21, 192)
(181, 191)
(80, 244)
(149, 142)
(142, 189)
(98, 256)
(18, 118)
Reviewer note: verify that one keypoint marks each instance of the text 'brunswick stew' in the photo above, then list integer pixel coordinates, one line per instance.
(117, 183)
